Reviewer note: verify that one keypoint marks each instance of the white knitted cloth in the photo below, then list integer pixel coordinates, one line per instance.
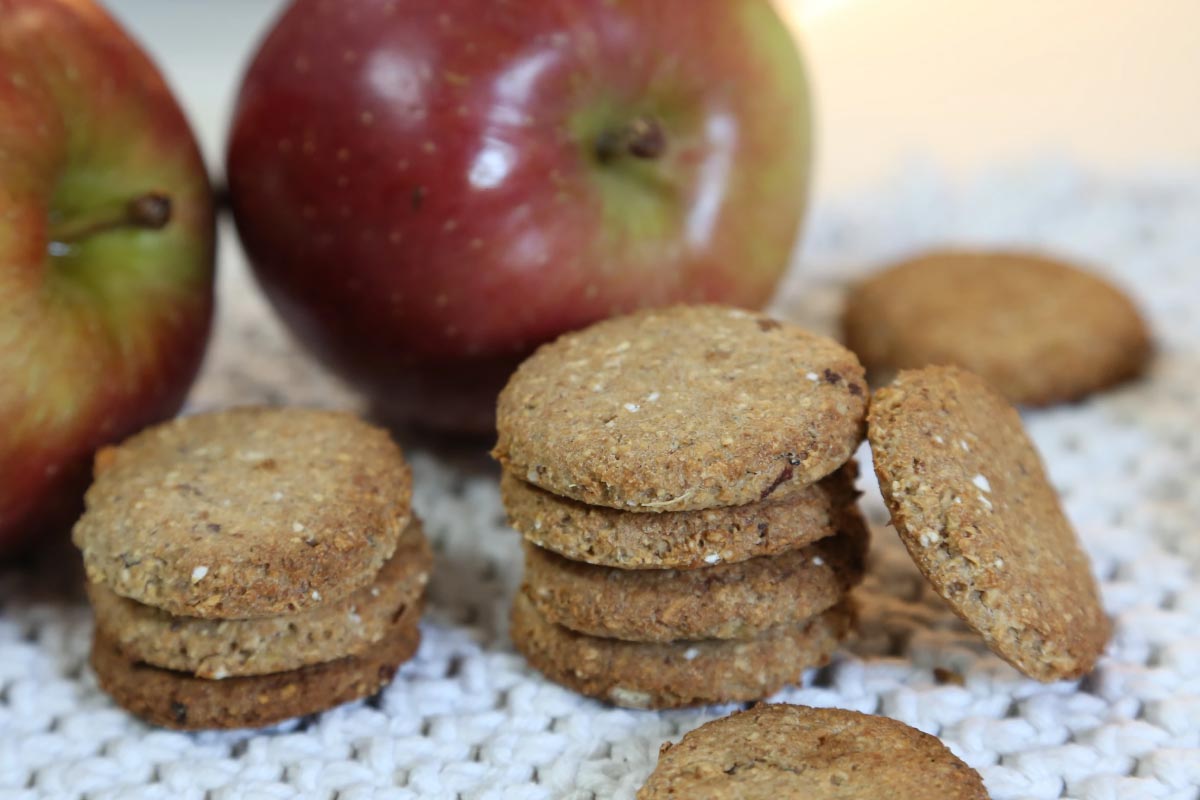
(467, 718)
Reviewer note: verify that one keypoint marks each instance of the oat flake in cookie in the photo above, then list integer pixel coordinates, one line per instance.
(683, 408)
(773, 752)
(971, 501)
(248, 512)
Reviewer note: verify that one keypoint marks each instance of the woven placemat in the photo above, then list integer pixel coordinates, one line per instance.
(467, 718)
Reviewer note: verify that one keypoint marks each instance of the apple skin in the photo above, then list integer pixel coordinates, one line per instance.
(104, 335)
(417, 186)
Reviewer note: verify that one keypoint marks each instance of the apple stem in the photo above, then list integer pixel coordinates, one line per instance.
(642, 137)
(149, 211)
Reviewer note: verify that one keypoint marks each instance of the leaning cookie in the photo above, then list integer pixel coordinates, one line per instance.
(180, 700)
(729, 601)
(683, 408)
(786, 751)
(244, 513)
(678, 674)
(211, 648)
(971, 501)
(1039, 330)
(676, 539)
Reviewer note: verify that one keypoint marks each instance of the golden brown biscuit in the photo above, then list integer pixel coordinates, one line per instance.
(212, 648)
(182, 701)
(680, 409)
(244, 513)
(676, 539)
(676, 674)
(729, 601)
(1037, 329)
(970, 499)
(785, 751)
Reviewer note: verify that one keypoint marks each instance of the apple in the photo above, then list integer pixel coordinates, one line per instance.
(106, 253)
(427, 189)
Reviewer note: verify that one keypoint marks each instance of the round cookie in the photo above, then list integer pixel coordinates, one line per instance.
(245, 513)
(677, 674)
(211, 648)
(729, 601)
(682, 408)
(182, 701)
(970, 499)
(1039, 330)
(676, 539)
(778, 751)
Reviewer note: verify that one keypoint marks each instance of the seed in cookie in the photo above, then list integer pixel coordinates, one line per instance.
(781, 751)
(729, 601)
(215, 648)
(971, 501)
(244, 513)
(1039, 330)
(677, 674)
(684, 408)
(676, 539)
(182, 701)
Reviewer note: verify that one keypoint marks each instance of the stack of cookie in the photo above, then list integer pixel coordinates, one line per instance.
(250, 566)
(682, 478)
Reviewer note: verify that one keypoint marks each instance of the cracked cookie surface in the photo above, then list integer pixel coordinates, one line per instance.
(971, 501)
(682, 408)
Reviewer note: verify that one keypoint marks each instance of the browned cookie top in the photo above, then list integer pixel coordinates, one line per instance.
(783, 751)
(970, 499)
(244, 513)
(1039, 330)
(682, 408)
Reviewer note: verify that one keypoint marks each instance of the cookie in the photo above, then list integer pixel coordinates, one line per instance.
(182, 701)
(676, 539)
(781, 751)
(970, 499)
(680, 409)
(729, 601)
(672, 675)
(211, 648)
(1038, 330)
(245, 513)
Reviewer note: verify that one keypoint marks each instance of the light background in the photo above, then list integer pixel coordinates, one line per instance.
(962, 85)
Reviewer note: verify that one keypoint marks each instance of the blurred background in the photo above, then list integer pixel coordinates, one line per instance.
(959, 85)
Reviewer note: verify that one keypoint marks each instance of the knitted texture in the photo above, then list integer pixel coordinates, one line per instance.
(468, 719)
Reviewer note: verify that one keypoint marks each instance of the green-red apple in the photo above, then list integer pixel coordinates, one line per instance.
(429, 188)
(106, 252)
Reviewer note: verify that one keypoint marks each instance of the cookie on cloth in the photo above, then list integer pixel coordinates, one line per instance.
(676, 539)
(182, 701)
(729, 601)
(784, 751)
(677, 674)
(970, 499)
(683, 408)
(214, 648)
(245, 513)
(1039, 330)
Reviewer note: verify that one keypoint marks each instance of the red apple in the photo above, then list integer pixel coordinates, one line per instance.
(430, 188)
(106, 253)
